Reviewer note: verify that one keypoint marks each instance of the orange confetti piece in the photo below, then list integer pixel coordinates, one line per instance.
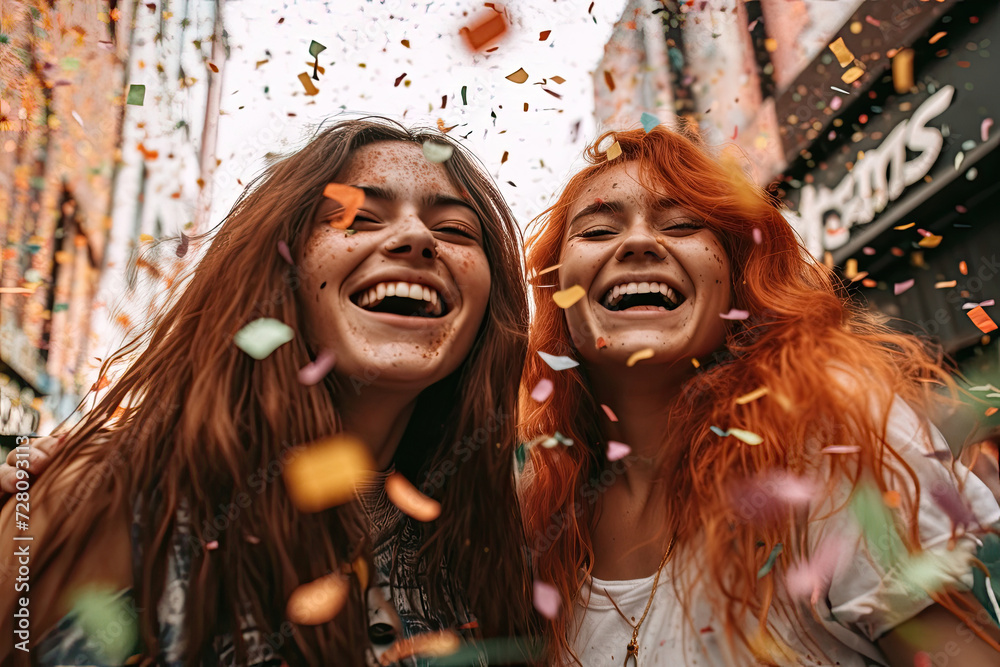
(930, 241)
(554, 267)
(147, 154)
(906, 226)
(963, 268)
(406, 497)
(544, 35)
(902, 71)
(614, 151)
(405, 42)
(559, 79)
(318, 601)
(485, 31)
(892, 499)
(308, 84)
(609, 80)
(520, 76)
(991, 411)
(695, 363)
(852, 75)
(638, 356)
(349, 197)
(936, 37)
(326, 473)
(982, 320)
(567, 297)
(843, 54)
(869, 282)
(945, 284)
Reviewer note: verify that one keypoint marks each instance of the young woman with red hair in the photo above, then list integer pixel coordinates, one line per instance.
(739, 468)
(404, 322)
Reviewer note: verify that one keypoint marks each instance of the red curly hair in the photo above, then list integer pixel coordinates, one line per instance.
(800, 324)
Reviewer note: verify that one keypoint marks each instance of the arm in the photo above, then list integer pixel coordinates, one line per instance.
(937, 631)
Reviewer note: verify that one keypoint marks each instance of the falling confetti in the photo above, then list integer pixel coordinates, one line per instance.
(899, 288)
(735, 314)
(758, 236)
(544, 35)
(318, 601)
(984, 128)
(982, 320)
(930, 241)
(772, 557)
(649, 121)
(520, 76)
(325, 473)
(748, 437)
(752, 396)
(945, 284)
(614, 151)
(262, 337)
(307, 83)
(542, 390)
(285, 254)
(902, 71)
(842, 53)
(546, 599)
(639, 355)
(567, 297)
(136, 94)
(97, 610)
(485, 31)
(407, 498)
(852, 75)
(317, 369)
(609, 412)
(840, 449)
(617, 450)
(436, 152)
(437, 644)
(558, 363)
(350, 199)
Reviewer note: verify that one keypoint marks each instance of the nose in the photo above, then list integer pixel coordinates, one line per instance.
(412, 239)
(638, 242)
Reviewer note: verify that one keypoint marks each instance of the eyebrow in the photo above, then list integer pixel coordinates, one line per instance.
(428, 201)
(599, 206)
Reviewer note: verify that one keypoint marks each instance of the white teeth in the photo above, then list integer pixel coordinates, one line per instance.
(426, 294)
(416, 292)
(643, 288)
(632, 288)
(363, 301)
(615, 294)
(380, 291)
(390, 289)
(373, 295)
(403, 289)
(434, 298)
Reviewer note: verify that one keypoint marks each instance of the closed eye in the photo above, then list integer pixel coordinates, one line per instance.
(458, 230)
(684, 226)
(592, 233)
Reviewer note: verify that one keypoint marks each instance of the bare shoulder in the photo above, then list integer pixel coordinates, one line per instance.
(40, 513)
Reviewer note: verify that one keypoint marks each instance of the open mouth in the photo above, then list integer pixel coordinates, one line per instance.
(642, 296)
(401, 298)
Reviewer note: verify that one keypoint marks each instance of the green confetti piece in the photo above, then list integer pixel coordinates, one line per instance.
(70, 64)
(772, 557)
(437, 153)
(649, 121)
(109, 621)
(877, 526)
(262, 337)
(464, 89)
(136, 94)
(60, 307)
(315, 48)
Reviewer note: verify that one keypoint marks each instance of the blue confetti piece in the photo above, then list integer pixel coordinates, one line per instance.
(649, 121)
(770, 561)
(719, 432)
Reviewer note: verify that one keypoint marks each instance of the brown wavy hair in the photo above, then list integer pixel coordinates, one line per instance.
(193, 419)
(801, 325)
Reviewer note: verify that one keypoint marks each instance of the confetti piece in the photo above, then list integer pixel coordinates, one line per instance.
(922, 659)
(902, 71)
(542, 390)
(318, 601)
(285, 254)
(906, 226)
(982, 320)
(840, 449)
(407, 498)
(735, 314)
(757, 235)
(567, 297)
(317, 369)
(97, 610)
(954, 505)
(649, 121)
(617, 450)
(315, 48)
(931, 241)
(936, 37)
(437, 644)
(307, 83)
(772, 557)
(136, 94)
(984, 128)
(262, 337)
(614, 151)
(182, 247)
(609, 412)
(638, 356)
(212, 546)
(892, 499)
(852, 75)
(558, 363)
(326, 472)
(559, 79)
(748, 437)
(695, 363)
(520, 76)
(349, 197)
(544, 35)
(841, 90)
(945, 284)
(843, 54)
(546, 599)
(600, 343)
(984, 304)
(485, 31)
(551, 268)
(437, 153)
(991, 411)
(899, 288)
(752, 396)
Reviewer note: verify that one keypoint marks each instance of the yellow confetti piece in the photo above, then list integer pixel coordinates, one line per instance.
(844, 55)
(559, 79)
(752, 396)
(145, 238)
(555, 267)
(407, 498)
(567, 297)
(930, 241)
(429, 644)
(906, 226)
(746, 436)
(318, 601)
(859, 276)
(783, 401)
(520, 76)
(614, 151)
(851, 268)
(695, 363)
(945, 284)
(852, 75)
(638, 356)
(902, 71)
(771, 44)
(308, 84)
(326, 473)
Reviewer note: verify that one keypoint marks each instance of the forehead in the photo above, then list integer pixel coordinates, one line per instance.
(621, 182)
(400, 163)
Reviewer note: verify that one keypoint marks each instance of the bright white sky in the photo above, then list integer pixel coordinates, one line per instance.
(541, 142)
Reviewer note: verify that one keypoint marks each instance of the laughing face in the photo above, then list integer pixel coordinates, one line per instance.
(400, 296)
(655, 276)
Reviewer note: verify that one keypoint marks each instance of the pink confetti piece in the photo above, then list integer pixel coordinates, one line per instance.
(840, 449)
(283, 251)
(617, 450)
(735, 314)
(757, 235)
(610, 413)
(948, 499)
(961, 209)
(317, 369)
(899, 288)
(542, 390)
(873, 21)
(868, 250)
(836, 103)
(212, 546)
(981, 304)
(252, 539)
(923, 232)
(984, 128)
(546, 599)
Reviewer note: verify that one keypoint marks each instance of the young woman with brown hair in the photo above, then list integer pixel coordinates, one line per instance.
(421, 302)
(752, 478)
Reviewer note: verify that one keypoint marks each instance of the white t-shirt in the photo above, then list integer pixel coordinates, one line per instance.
(862, 604)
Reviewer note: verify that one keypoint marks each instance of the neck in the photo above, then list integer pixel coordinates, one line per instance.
(379, 417)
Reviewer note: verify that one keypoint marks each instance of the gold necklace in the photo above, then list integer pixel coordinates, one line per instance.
(632, 649)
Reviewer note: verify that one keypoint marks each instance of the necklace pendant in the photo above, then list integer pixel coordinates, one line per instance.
(632, 651)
